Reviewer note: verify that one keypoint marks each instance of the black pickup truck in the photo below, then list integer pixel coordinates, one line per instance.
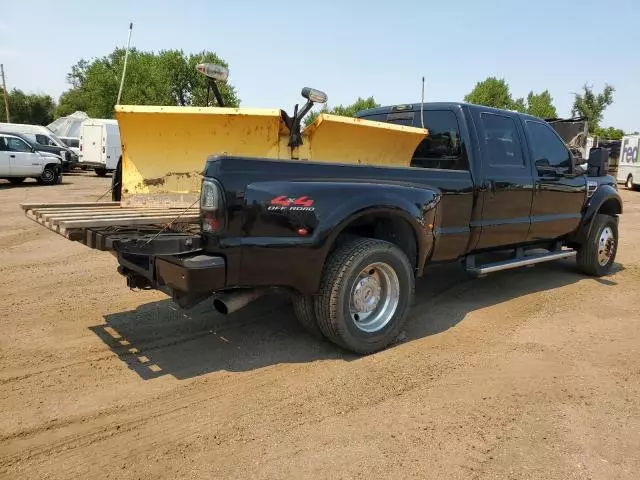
(348, 241)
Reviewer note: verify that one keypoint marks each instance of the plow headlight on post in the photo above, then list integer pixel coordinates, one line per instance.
(313, 95)
(212, 70)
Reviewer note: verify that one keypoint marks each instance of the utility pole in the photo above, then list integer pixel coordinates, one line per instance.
(6, 94)
(124, 69)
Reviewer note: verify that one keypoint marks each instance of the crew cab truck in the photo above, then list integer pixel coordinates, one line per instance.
(349, 240)
(20, 159)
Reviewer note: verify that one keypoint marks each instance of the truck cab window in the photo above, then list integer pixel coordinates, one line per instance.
(547, 149)
(443, 147)
(501, 141)
(17, 145)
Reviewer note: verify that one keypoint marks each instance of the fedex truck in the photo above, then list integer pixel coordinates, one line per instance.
(629, 163)
(100, 146)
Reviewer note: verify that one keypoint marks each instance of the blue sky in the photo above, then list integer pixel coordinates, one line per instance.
(348, 48)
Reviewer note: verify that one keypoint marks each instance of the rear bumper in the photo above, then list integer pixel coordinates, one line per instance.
(171, 262)
(192, 274)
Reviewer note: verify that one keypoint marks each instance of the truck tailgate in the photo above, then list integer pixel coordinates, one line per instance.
(97, 224)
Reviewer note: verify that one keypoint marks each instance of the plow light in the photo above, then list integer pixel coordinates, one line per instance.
(313, 95)
(212, 70)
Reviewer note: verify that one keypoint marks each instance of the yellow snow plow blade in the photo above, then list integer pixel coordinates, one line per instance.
(336, 139)
(164, 149)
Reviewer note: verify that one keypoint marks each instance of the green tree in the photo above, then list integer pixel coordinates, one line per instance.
(168, 77)
(609, 133)
(541, 105)
(343, 110)
(495, 92)
(592, 105)
(28, 108)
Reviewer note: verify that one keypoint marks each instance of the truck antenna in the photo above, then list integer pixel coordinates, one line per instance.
(422, 105)
(124, 69)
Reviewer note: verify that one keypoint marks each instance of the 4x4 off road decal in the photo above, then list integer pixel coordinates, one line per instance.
(284, 203)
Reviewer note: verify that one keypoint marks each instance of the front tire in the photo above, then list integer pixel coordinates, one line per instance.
(116, 183)
(101, 172)
(597, 254)
(50, 175)
(629, 182)
(366, 291)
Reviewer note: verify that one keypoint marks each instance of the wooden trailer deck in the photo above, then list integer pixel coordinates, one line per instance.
(97, 224)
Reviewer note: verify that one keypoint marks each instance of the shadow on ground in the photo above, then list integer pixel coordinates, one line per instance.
(159, 339)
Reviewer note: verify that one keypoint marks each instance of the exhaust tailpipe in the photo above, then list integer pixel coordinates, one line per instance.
(230, 302)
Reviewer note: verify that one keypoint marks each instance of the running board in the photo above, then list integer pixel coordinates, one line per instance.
(520, 262)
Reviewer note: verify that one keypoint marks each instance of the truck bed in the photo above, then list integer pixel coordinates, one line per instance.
(97, 224)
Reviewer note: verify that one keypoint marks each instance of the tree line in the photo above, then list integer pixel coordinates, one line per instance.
(169, 77)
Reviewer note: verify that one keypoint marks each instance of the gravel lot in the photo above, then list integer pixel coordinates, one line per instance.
(526, 374)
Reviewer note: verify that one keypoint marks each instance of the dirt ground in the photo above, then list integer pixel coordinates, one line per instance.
(527, 374)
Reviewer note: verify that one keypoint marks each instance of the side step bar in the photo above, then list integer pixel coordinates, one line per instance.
(520, 261)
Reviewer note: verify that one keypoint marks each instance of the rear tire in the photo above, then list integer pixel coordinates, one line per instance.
(306, 315)
(101, 172)
(365, 294)
(17, 180)
(598, 253)
(51, 175)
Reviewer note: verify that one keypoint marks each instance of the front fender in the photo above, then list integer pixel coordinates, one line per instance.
(604, 200)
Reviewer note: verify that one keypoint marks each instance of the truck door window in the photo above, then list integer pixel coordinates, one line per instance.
(502, 143)
(547, 149)
(443, 147)
(17, 145)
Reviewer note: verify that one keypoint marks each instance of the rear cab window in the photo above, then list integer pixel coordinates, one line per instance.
(443, 148)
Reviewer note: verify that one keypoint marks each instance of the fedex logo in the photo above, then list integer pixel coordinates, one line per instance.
(629, 153)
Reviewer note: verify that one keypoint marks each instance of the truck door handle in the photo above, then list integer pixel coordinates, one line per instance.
(12, 156)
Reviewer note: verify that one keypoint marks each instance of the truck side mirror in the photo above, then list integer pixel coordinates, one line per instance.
(598, 164)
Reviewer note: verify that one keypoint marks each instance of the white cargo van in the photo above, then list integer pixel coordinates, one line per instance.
(629, 162)
(100, 146)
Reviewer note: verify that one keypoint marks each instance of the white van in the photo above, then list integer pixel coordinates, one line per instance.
(629, 162)
(100, 146)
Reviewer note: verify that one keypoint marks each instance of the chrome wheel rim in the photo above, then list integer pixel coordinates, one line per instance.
(374, 297)
(629, 182)
(47, 175)
(606, 246)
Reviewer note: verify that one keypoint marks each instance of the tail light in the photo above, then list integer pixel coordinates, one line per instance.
(211, 206)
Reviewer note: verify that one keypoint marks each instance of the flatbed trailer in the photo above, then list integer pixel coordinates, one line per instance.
(98, 224)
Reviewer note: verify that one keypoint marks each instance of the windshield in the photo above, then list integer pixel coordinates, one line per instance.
(71, 142)
(57, 140)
